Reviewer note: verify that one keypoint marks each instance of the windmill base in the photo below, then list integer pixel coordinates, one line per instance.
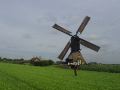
(75, 68)
(76, 58)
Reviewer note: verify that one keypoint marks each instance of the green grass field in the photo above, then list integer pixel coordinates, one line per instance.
(25, 77)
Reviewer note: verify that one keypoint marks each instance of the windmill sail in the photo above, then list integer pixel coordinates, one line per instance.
(83, 24)
(62, 29)
(89, 45)
(65, 50)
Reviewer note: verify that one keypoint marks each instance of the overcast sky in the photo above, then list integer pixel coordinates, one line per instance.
(26, 28)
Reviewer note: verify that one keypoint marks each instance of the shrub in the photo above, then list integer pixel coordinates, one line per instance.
(51, 62)
(42, 63)
(101, 68)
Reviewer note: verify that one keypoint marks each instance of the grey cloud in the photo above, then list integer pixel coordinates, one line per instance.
(26, 26)
(51, 46)
(27, 36)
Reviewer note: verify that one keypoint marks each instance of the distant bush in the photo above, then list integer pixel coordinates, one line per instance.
(36, 61)
(42, 63)
(92, 63)
(112, 68)
(14, 61)
(101, 67)
(58, 62)
(51, 62)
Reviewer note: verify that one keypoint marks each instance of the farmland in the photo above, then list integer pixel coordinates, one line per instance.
(26, 77)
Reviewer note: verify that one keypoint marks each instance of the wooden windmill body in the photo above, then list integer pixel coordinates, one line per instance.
(74, 43)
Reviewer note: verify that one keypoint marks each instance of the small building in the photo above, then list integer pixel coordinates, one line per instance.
(35, 59)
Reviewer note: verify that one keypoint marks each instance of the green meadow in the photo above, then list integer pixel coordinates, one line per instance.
(26, 77)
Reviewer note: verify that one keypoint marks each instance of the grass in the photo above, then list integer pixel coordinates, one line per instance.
(25, 77)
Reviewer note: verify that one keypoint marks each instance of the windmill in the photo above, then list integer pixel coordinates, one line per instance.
(74, 43)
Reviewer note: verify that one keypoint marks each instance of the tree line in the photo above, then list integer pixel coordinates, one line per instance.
(33, 61)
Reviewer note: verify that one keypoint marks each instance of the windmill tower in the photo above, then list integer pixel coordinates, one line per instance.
(75, 42)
